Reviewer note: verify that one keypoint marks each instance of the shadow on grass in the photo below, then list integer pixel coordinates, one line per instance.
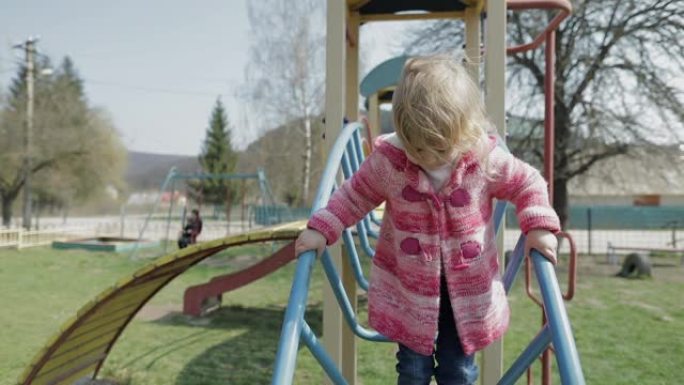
(244, 359)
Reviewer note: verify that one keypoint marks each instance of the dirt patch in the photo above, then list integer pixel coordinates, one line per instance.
(156, 312)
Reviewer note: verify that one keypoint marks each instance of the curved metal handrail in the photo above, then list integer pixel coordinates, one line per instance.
(293, 324)
(564, 9)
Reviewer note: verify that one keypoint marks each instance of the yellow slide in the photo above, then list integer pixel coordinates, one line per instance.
(82, 344)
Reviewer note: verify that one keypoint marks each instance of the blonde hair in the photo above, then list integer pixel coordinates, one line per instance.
(437, 107)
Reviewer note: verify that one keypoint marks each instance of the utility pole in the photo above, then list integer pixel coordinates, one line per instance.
(29, 49)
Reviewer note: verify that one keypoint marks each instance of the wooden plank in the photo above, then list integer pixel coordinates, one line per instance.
(123, 300)
(122, 313)
(102, 323)
(412, 16)
(64, 353)
(91, 360)
(120, 295)
(174, 268)
(88, 371)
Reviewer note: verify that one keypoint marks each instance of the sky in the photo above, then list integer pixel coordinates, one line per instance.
(156, 66)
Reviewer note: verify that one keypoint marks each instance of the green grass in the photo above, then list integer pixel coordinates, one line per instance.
(627, 331)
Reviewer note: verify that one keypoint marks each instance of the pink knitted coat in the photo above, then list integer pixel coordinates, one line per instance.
(424, 232)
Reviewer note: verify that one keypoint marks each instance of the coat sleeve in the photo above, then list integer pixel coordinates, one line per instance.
(357, 196)
(518, 182)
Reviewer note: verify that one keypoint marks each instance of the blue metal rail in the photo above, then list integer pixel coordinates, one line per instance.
(347, 155)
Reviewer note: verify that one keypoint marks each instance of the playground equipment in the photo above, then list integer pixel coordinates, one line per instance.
(635, 265)
(344, 19)
(197, 299)
(85, 341)
(612, 254)
(265, 195)
(347, 155)
(108, 244)
(81, 346)
(169, 184)
(378, 87)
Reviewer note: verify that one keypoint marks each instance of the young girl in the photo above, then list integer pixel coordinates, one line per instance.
(435, 272)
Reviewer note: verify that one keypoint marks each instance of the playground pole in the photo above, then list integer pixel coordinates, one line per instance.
(374, 113)
(349, 357)
(333, 321)
(168, 217)
(495, 86)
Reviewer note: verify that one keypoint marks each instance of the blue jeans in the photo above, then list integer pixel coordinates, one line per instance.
(453, 366)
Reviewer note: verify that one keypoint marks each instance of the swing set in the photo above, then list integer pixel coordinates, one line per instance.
(265, 195)
(265, 202)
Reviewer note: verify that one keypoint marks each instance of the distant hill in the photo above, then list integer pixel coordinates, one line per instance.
(279, 153)
(147, 171)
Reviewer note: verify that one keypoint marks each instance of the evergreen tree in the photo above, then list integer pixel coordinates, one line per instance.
(217, 157)
(69, 76)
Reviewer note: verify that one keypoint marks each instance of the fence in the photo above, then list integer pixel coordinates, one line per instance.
(617, 229)
(20, 238)
(268, 215)
(53, 229)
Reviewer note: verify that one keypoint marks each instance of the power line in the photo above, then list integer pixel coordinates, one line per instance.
(154, 89)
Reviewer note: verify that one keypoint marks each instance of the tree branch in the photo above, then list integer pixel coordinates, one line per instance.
(593, 158)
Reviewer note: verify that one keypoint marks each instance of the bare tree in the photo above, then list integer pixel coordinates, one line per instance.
(285, 74)
(616, 64)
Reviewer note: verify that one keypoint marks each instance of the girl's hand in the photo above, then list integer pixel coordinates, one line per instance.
(543, 241)
(310, 240)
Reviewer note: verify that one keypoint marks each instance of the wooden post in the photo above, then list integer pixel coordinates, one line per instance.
(473, 39)
(495, 92)
(349, 358)
(374, 116)
(334, 114)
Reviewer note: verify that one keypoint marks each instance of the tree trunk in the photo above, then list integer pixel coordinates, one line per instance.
(561, 164)
(65, 214)
(560, 200)
(6, 211)
(38, 207)
(228, 207)
(306, 174)
(8, 199)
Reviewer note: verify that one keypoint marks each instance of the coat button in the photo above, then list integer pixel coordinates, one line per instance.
(410, 246)
(412, 195)
(470, 249)
(459, 198)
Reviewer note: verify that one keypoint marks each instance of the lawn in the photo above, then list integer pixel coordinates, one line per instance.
(627, 331)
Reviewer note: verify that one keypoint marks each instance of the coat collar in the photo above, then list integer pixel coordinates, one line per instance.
(416, 177)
